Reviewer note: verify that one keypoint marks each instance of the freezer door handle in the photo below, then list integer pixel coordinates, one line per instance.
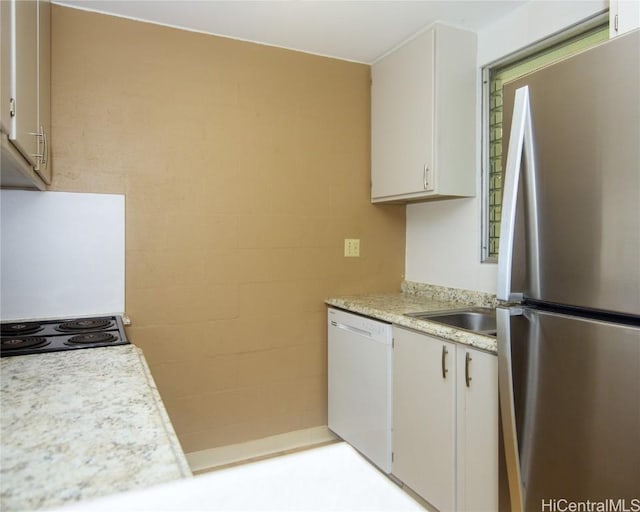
(520, 143)
(507, 406)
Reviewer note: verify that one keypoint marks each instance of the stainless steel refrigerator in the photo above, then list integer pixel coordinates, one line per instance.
(569, 263)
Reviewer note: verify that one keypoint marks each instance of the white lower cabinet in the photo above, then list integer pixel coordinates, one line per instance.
(424, 416)
(445, 422)
(477, 431)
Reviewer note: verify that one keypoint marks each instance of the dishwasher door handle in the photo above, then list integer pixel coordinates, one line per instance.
(352, 329)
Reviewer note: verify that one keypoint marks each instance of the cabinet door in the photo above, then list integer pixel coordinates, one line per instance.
(44, 89)
(477, 428)
(424, 373)
(5, 66)
(25, 90)
(402, 98)
(624, 16)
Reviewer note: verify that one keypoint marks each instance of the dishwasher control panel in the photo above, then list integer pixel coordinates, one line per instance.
(375, 329)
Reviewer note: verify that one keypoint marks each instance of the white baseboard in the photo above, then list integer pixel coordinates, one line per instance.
(222, 455)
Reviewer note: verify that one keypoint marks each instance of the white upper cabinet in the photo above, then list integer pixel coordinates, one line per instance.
(624, 16)
(5, 66)
(423, 110)
(24, 93)
(43, 164)
(25, 117)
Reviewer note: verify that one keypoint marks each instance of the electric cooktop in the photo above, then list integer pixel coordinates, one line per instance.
(32, 337)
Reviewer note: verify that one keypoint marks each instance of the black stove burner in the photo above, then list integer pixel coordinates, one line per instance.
(61, 335)
(92, 337)
(20, 328)
(23, 342)
(85, 324)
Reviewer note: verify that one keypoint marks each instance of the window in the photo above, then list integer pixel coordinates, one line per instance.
(495, 77)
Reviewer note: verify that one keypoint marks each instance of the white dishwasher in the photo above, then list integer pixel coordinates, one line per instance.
(359, 375)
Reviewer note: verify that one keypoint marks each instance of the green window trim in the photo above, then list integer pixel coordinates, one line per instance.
(497, 76)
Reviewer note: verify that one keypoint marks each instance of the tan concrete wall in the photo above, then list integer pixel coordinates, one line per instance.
(244, 168)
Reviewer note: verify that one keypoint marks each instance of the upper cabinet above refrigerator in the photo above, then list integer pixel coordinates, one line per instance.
(423, 110)
(25, 119)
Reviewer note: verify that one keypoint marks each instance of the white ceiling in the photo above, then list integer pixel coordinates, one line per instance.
(355, 30)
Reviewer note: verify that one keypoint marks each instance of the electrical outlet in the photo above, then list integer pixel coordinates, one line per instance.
(352, 247)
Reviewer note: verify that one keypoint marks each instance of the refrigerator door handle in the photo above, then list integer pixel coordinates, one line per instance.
(520, 142)
(507, 406)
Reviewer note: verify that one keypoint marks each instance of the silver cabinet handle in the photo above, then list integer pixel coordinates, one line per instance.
(45, 149)
(425, 174)
(42, 140)
(467, 375)
(444, 361)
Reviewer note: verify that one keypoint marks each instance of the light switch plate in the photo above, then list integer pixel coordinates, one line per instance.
(352, 247)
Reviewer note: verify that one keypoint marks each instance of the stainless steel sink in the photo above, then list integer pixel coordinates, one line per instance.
(477, 320)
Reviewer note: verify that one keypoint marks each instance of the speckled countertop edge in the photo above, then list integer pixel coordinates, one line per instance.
(391, 307)
(81, 424)
(172, 437)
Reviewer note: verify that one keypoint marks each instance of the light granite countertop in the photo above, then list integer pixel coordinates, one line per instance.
(80, 424)
(391, 307)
